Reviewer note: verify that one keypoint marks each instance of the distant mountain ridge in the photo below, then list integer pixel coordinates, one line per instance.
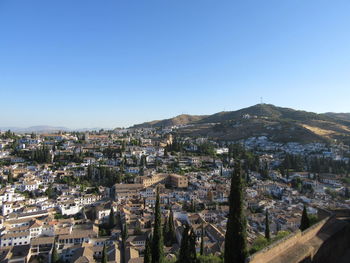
(45, 129)
(277, 123)
(36, 129)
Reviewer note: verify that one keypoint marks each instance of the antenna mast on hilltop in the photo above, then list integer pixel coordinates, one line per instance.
(261, 100)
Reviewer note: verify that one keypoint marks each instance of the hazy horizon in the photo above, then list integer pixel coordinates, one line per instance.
(113, 127)
(84, 64)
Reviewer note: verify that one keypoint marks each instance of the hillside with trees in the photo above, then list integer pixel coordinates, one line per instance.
(277, 123)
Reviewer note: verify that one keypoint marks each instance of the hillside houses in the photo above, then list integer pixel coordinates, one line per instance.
(91, 186)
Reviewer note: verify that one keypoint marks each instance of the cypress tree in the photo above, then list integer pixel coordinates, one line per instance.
(235, 239)
(104, 254)
(166, 232)
(305, 222)
(192, 247)
(157, 240)
(90, 171)
(10, 177)
(267, 225)
(54, 256)
(112, 220)
(124, 233)
(188, 252)
(148, 256)
(126, 230)
(184, 247)
(46, 155)
(202, 241)
(171, 236)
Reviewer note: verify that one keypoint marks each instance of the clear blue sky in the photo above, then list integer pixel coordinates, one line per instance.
(110, 63)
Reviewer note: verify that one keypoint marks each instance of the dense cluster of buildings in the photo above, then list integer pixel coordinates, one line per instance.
(56, 194)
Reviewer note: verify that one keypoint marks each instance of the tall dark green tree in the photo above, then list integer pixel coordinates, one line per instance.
(202, 241)
(184, 247)
(122, 149)
(235, 239)
(192, 246)
(305, 221)
(10, 177)
(147, 255)
(54, 256)
(157, 240)
(267, 225)
(112, 220)
(188, 253)
(124, 233)
(104, 255)
(143, 161)
(166, 232)
(170, 236)
(90, 172)
(41, 155)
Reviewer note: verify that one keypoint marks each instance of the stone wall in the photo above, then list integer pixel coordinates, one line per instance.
(279, 247)
(337, 247)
